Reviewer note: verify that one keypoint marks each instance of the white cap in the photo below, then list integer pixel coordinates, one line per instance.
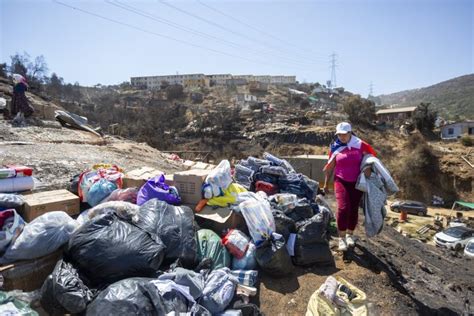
(343, 128)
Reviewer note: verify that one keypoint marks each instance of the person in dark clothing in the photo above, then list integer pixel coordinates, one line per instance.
(19, 101)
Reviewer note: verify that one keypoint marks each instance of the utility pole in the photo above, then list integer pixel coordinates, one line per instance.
(333, 70)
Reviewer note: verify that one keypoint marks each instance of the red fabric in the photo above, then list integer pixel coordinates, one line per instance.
(268, 188)
(21, 171)
(348, 199)
(4, 215)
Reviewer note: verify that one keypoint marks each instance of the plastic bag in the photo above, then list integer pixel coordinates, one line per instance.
(220, 177)
(301, 211)
(8, 200)
(236, 243)
(111, 173)
(63, 292)
(310, 254)
(124, 210)
(11, 225)
(219, 290)
(126, 195)
(12, 306)
(99, 191)
(283, 224)
(42, 236)
(314, 230)
(156, 188)
(259, 219)
(229, 197)
(175, 226)
(193, 280)
(210, 246)
(125, 297)
(273, 257)
(248, 261)
(107, 249)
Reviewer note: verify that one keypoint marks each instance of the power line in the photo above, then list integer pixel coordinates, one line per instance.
(217, 25)
(286, 43)
(139, 12)
(161, 35)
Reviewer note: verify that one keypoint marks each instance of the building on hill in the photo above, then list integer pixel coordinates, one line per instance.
(456, 130)
(193, 80)
(154, 82)
(395, 114)
(219, 79)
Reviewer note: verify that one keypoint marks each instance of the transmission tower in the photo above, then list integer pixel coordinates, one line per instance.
(333, 70)
(371, 89)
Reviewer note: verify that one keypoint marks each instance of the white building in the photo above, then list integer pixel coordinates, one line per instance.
(244, 97)
(152, 82)
(219, 79)
(456, 130)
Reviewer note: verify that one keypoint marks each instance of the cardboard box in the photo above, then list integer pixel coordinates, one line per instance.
(220, 219)
(138, 177)
(169, 179)
(37, 204)
(189, 185)
(28, 275)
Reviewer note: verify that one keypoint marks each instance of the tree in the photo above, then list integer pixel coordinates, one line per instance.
(19, 63)
(360, 111)
(54, 85)
(34, 71)
(424, 118)
(3, 70)
(38, 69)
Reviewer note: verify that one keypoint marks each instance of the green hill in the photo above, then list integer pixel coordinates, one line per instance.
(453, 99)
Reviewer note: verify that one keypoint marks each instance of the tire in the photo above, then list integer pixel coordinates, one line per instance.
(421, 213)
(396, 210)
(457, 247)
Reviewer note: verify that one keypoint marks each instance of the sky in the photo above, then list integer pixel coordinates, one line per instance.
(393, 44)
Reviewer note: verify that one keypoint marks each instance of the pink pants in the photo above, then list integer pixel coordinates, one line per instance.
(348, 198)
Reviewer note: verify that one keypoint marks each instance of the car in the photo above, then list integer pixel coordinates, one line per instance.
(411, 207)
(454, 237)
(469, 249)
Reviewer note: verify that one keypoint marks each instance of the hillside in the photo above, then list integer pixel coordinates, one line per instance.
(453, 98)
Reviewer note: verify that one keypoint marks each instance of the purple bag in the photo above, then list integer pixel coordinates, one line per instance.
(157, 188)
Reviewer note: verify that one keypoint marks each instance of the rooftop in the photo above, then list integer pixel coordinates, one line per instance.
(397, 110)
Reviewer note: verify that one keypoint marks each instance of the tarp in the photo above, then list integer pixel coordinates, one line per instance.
(71, 120)
(465, 204)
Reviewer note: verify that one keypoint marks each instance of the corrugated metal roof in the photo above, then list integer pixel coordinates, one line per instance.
(397, 110)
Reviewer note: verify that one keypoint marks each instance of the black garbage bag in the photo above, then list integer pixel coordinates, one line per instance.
(125, 297)
(273, 257)
(176, 228)
(138, 296)
(319, 253)
(63, 291)
(107, 249)
(313, 230)
(283, 224)
(73, 185)
(10, 200)
(302, 211)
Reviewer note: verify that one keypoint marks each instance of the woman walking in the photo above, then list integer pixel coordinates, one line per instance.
(345, 157)
(19, 101)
